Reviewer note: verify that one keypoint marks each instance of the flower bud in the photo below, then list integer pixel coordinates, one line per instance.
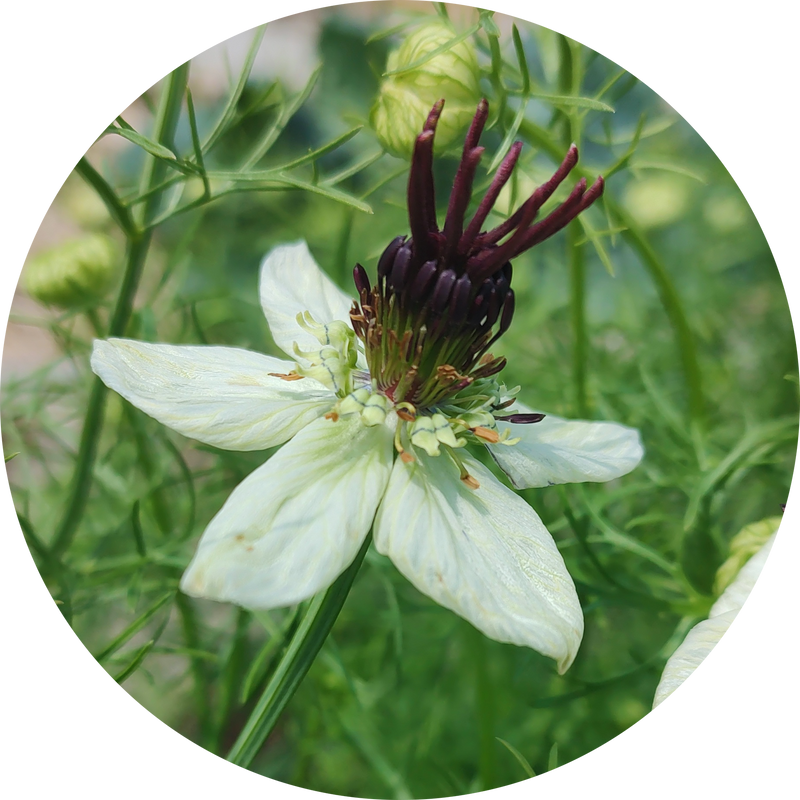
(743, 547)
(405, 99)
(77, 273)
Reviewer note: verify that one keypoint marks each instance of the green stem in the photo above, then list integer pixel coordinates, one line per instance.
(668, 294)
(298, 658)
(200, 678)
(231, 677)
(571, 80)
(484, 707)
(576, 258)
(138, 245)
(671, 302)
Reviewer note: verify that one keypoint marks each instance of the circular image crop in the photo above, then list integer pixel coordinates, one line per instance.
(399, 400)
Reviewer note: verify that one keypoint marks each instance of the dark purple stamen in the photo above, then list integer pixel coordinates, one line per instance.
(500, 179)
(444, 296)
(522, 419)
(423, 282)
(361, 280)
(441, 294)
(459, 300)
(400, 268)
(387, 259)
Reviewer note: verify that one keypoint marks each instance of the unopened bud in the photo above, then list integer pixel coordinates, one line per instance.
(743, 546)
(405, 98)
(74, 274)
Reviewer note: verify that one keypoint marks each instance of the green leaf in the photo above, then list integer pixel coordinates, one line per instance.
(523, 762)
(325, 191)
(509, 137)
(134, 627)
(665, 166)
(10, 456)
(552, 758)
(384, 33)
(609, 83)
(486, 21)
(321, 151)
(154, 148)
(523, 63)
(771, 433)
(198, 150)
(229, 111)
(354, 169)
(652, 129)
(574, 102)
(136, 662)
(449, 44)
(300, 654)
(271, 134)
(596, 239)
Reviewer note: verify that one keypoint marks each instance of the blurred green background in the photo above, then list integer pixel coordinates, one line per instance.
(406, 699)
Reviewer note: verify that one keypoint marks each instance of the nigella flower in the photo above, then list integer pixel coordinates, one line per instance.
(380, 406)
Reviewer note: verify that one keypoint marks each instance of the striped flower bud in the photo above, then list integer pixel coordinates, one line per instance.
(405, 97)
(75, 274)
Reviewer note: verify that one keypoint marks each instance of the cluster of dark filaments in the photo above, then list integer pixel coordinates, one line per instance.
(443, 297)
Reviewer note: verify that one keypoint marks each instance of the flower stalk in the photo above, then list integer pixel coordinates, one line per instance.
(138, 246)
(302, 649)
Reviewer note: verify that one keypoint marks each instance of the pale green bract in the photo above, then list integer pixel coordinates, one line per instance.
(296, 523)
(704, 636)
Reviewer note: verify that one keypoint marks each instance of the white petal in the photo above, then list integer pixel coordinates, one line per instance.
(222, 396)
(699, 642)
(702, 639)
(484, 554)
(557, 450)
(292, 526)
(292, 282)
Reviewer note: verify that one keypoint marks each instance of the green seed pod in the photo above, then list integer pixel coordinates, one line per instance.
(76, 273)
(405, 99)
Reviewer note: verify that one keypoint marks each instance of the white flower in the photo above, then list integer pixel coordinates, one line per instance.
(292, 526)
(703, 637)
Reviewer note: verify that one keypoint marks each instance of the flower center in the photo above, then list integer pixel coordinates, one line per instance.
(443, 297)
